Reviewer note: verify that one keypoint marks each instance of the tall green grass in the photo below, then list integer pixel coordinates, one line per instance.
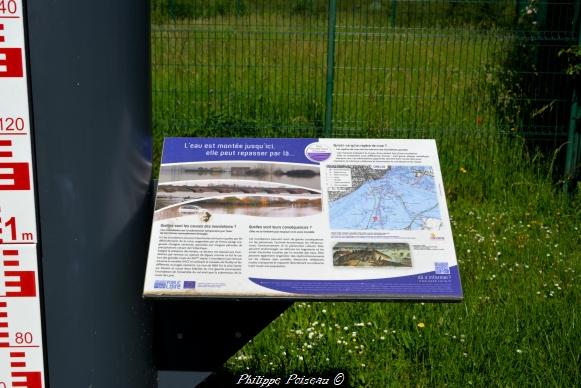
(260, 69)
(403, 13)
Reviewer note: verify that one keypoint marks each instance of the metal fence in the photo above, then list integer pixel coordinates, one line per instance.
(453, 70)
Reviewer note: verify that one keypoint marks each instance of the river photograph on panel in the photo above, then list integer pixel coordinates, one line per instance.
(388, 198)
(263, 206)
(169, 194)
(289, 174)
(256, 206)
(358, 254)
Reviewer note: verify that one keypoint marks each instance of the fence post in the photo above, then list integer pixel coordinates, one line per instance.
(520, 6)
(332, 20)
(573, 144)
(171, 9)
(542, 11)
(573, 156)
(393, 13)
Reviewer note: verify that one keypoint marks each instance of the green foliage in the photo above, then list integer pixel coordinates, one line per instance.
(308, 7)
(479, 14)
(573, 55)
(528, 87)
(163, 11)
(508, 80)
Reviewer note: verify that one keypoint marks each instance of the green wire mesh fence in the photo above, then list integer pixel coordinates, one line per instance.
(470, 73)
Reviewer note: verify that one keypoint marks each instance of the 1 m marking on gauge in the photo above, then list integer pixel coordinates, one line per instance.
(10, 224)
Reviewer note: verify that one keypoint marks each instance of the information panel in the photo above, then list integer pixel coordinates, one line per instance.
(300, 219)
(21, 351)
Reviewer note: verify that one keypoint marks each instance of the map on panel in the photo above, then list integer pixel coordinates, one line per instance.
(385, 198)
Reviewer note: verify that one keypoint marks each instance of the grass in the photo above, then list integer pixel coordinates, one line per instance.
(518, 325)
(516, 234)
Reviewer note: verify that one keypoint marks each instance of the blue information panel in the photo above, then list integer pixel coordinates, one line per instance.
(301, 218)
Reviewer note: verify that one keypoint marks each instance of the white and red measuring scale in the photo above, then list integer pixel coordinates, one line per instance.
(21, 347)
